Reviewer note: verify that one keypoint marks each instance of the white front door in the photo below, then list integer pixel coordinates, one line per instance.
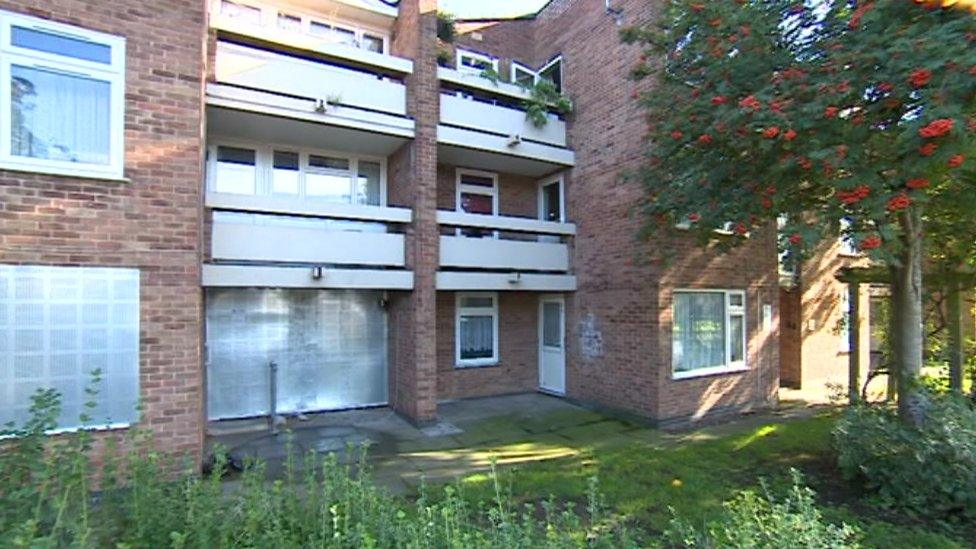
(552, 344)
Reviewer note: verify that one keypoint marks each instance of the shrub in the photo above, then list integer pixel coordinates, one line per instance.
(762, 521)
(320, 502)
(928, 471)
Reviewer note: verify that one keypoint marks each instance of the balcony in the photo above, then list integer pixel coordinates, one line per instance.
(482, 125)
(276, 97)
(286, 242)
(514, 253)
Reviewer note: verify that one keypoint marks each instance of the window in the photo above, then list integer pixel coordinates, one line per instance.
(372, 43)
(291, 22)
(304, 174)
(477, 193)
(475, 63)
(708, 332)
(58, 325)
(64, 90)
(847, 245)
(285, 172)
(551, 71)
(523, 75)
(333, 33)
(236, 170)
(844, 323)
(477, 329)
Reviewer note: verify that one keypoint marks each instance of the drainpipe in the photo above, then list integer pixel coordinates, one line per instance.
(273, 418)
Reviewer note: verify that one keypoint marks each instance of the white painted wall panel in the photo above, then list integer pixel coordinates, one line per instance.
(245, 237)
(263, 70)
(458, 111)
(490, 253)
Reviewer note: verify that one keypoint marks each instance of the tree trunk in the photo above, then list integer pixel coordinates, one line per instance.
(956, 343)
(906, 301)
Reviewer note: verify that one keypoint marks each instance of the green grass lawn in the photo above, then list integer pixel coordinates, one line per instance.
(643, 475)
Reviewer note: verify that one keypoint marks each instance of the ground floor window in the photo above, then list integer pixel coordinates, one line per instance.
(60, 328)
(709, 332)
(477, 329)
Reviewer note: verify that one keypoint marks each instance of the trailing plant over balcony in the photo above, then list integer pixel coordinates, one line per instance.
(543, 98)
(445, 27)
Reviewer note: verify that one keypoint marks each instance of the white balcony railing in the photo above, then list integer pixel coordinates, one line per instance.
(487, 116)
(273, 34)
(284, 230)
(538, 247)
(332, 85)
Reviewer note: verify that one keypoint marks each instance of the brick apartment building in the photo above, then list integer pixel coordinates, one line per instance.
(195, 193)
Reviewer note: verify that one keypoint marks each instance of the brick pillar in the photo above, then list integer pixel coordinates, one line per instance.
(414, 366)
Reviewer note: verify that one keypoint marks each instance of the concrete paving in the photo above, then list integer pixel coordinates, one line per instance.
(469, 436)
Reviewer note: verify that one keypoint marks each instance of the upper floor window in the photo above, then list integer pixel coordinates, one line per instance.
(301, 173)
(64, 88)
(552, 71)
(475, 63)
(326, 29)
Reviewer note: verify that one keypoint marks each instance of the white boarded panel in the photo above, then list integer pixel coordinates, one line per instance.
(467, 113)
(60, 324)
(490, 253)
(247, 237)
(263, 70)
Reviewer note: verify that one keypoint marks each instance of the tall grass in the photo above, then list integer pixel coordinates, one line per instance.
(142, 500)
(49, 501)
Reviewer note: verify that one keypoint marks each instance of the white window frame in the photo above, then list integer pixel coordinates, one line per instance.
(113, 74)
(479, 311)
(461, 53)
(730, 311)
(269, 23)
(558, 180)
(844, 345)
(536, 74)
(461, 188)
(847, 245)
(265, 167)
(516, 66)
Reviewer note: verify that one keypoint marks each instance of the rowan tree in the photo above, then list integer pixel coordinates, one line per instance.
(856, 118)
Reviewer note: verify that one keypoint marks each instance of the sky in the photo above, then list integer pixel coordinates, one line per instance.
(476, 9)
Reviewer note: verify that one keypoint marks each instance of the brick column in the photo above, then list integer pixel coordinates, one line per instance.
(413, 315)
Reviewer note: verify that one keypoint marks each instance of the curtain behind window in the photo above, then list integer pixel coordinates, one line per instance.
(699, 331)
(59, 117)
(477, 339)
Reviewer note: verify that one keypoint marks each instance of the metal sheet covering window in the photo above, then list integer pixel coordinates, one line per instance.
(58, 325)
(329, 345)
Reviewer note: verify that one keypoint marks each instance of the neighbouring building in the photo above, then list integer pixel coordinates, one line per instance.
(205, 200)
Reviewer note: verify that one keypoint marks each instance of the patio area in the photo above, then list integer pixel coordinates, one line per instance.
(469, 434)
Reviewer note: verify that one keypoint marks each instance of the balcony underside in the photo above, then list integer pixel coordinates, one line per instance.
(473, 149)
(514, 281)
(235, 119)
(265, 276)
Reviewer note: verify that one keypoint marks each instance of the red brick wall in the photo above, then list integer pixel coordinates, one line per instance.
(414, 370)
(618, 323)
(518, 349)
(152, 221)
(822, 357)
(517, 195)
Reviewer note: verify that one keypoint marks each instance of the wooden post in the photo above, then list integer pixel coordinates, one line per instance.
(854, 341)
(956, 352)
